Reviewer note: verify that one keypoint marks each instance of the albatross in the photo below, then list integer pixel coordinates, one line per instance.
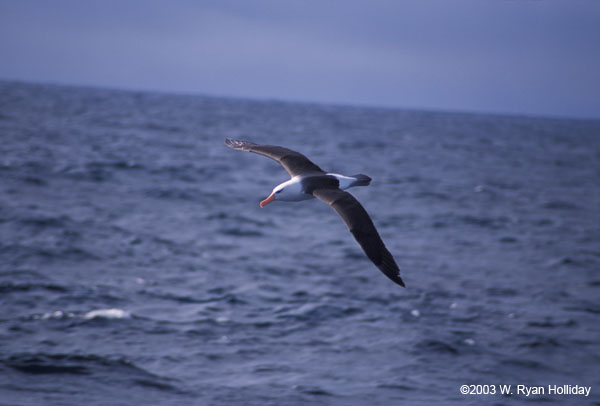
(309, 181)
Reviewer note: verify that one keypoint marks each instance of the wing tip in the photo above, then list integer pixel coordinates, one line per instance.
(394, 275)
(232, 143)
(389, 267)
(239, 144)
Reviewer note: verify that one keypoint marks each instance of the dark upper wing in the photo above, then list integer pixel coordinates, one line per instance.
(358, 221)
(293, 162)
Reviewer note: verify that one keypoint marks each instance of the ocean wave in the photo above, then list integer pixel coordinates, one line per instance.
(19, 252)
(116, 367)
(191, 194)
(12, 287)
(436, 346)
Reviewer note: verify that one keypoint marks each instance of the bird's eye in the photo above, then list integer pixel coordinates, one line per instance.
(278, 191)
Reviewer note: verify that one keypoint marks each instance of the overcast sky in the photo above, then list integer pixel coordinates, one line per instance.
(538, 57)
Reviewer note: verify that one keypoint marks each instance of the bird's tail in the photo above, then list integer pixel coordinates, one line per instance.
(361, 180)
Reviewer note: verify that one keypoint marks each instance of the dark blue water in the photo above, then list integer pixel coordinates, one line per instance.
(136, 266)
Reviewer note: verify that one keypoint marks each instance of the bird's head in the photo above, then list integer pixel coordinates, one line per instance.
(289, 191)
(277, 192)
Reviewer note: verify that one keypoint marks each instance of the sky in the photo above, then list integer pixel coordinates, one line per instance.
(525, 57)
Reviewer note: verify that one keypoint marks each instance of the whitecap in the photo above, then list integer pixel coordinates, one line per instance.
(222, 319)
(58, 314)
(107, 314)
(469, 341)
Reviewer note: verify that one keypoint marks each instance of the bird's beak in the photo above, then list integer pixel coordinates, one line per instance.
(267, 200)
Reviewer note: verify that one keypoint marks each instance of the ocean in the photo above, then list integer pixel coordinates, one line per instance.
(136, 266)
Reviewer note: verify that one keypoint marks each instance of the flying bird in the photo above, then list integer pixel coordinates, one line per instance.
(308, 181)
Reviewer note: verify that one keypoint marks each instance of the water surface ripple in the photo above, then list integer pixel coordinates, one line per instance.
(137, 268)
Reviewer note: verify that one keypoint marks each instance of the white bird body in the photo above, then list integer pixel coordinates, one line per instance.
(293, 190)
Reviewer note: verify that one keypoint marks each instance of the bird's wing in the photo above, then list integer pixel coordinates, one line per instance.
(361, 226)
(293, 162)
